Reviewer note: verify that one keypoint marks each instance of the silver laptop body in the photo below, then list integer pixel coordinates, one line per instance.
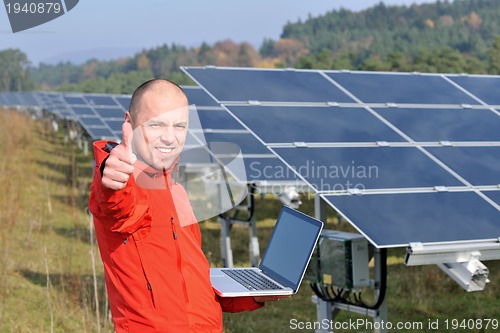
(284, 262)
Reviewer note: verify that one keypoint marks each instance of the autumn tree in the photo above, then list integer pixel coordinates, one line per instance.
(494, 57)
(14, 71)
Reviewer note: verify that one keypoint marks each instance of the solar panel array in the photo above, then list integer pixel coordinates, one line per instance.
(101, 116)
(404, 157)
(95, 113)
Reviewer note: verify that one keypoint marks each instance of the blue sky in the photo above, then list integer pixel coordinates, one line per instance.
(120, 27)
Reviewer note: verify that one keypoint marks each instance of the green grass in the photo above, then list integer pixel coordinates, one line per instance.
(415, 294)
(46, 249)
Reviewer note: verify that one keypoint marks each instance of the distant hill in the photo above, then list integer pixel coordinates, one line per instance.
(469, 26)
(82, 56)
(461, 36)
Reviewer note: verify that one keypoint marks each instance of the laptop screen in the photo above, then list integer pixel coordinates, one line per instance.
(290, 247)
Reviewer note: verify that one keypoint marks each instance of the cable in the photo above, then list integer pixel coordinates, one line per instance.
(328, 293)
(383, 282)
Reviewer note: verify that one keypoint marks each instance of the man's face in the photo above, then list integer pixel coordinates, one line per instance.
(160, 129)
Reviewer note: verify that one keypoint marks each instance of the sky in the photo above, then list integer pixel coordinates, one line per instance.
(113, 28)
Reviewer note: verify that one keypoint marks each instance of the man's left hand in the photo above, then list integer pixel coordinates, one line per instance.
(263, 299)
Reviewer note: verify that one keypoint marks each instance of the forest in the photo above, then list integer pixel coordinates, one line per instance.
(461, 36)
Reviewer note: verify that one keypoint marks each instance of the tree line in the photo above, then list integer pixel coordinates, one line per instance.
(462, 36)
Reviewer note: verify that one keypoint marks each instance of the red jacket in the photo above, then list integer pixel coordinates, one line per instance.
(156, 273)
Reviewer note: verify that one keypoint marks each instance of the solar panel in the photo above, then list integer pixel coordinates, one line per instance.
(344, 169)
(484, 87)
(218, 120)
(199, 97)
(110, 112)
(92, 121)
(223, 134)
(25, 99)
(82, 111)
(11, 99)
(95, 114)
(478, 165)
(395, 219)
(74, 100)
(300, 124)
(100, 100)
(58, 107)
(404, 157)
(124, 101)
(400, 88)
(494, 195)
(268, 86)
(247, 142)
(115, 125)
(101, 116)
(271, 169)
(434, 125)
(100, 132)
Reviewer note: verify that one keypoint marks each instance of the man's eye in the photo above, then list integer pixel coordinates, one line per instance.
(180, 126)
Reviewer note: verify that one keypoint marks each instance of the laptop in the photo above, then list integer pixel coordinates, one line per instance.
(283, 264)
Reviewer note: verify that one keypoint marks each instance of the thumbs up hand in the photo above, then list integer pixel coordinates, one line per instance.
(120, 163)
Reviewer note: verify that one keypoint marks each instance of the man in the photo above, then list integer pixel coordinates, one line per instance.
(156, 274)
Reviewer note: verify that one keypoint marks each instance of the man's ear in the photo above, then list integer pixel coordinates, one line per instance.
(128, 118)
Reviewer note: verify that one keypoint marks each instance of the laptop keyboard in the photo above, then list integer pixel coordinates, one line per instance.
(251, 279)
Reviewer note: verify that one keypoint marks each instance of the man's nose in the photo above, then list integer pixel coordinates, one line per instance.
(168, 135)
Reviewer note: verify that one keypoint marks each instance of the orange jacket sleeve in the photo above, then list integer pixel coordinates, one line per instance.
(125, 206)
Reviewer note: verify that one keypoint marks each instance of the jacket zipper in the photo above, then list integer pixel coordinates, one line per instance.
(176, 242)
(179, 260)
(151, 294)
(148, 284)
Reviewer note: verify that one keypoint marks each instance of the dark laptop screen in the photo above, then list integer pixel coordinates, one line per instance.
(290, 247)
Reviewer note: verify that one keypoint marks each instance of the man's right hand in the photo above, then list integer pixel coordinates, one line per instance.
(120, 163)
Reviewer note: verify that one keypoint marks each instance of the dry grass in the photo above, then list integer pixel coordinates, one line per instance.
(46, 282)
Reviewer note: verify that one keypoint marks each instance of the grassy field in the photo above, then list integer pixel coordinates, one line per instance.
(51, 276)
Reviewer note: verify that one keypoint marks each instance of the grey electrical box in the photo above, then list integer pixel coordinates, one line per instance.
(341, 259)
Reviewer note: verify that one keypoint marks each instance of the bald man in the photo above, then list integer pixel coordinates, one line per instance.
(157, 276)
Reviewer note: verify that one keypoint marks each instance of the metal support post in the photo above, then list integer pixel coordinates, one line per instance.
(253, 250)
(227, 220)
(86, 147)
(225, 242)
(319, 208)
(324, 311)
(327, 311)
(381, 315)
(323, 308)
